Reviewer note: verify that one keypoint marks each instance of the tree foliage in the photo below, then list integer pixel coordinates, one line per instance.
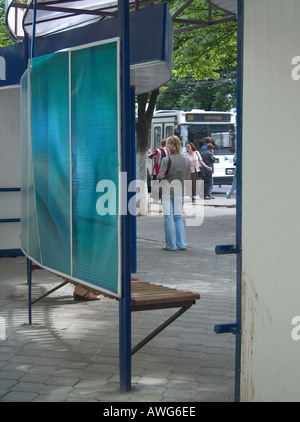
(204, 62)
(5, 38)
(203, 52)
(187, 93)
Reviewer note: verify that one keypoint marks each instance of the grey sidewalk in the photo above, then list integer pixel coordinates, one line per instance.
(70, 353)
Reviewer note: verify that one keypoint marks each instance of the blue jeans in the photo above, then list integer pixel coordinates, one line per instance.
(233, 188)
(173, 223)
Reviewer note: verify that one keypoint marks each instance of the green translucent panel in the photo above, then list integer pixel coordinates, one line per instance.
(25, 120)
(71, 147)
(95, 158)
(29, 229)
(51, 158)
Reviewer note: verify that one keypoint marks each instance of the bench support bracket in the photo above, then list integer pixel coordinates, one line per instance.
(160, 328)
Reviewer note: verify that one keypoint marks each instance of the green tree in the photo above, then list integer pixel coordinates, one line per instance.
(206, 51)
(5, 38)
(204, 61)
(187, 93)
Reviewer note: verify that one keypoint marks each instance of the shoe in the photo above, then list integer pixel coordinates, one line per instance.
(207, 197)
(87, 297)
(182, 249)
(212, 197)
(169, 250)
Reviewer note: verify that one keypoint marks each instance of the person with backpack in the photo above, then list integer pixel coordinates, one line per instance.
(157, 155)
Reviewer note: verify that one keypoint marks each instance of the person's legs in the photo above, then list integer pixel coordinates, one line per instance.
(207, 184)
(179, 225)
(233, 188)
(211, 186)
(168, 211)
(194, 178)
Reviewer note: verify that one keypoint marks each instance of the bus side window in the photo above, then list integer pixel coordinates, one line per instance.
(157, 136)
(169, 131)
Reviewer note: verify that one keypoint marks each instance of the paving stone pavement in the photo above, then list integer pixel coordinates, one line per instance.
(70, 352)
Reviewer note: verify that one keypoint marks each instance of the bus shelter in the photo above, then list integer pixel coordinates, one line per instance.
(75, 78)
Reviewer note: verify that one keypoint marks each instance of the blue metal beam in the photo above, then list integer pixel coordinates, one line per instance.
(239, 197)
(125, 301)
(33, 30)
(227, 249)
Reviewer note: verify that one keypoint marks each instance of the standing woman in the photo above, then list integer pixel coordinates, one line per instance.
(195, 160)
(173, 172)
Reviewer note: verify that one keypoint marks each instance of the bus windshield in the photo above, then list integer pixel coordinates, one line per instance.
(223, 136)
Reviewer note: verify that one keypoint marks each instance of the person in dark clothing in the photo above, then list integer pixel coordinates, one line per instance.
(208, 158)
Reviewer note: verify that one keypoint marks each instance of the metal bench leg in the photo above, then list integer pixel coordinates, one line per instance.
(29, 277)
(160, 328)
(50, 291)
(29, 283)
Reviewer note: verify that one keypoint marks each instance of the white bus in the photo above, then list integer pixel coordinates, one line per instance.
(194, 126)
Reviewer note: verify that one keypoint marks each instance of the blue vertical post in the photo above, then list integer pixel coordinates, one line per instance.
(29, 279)
(29, 262)
(240, 50)
(33, 29)
(133, 178)
(125, 301)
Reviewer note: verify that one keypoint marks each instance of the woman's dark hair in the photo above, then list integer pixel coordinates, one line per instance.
(192, 145)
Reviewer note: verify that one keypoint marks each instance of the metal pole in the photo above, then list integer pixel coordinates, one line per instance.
(125, 301)
(29, 277)
(33, 29)
(29, 262)
(239, 198)
(133, 178)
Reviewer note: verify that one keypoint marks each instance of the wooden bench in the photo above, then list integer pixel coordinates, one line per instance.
(145, 296)
(148, 296)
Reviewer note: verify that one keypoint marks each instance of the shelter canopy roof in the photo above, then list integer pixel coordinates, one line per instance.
(54, 16)
(59, 15)
(151, 35)
(226, 5)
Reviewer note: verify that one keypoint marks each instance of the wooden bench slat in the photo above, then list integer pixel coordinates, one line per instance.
(144, 293)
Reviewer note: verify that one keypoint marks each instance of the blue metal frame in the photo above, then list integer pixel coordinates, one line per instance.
(10, 220)
(10, 189)
(225, 328)
(125, 301)
(33, 30)
(240, 49)
(29, 283)
(227, 249)
(10, 253)
(133, 178)
(236, 328)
